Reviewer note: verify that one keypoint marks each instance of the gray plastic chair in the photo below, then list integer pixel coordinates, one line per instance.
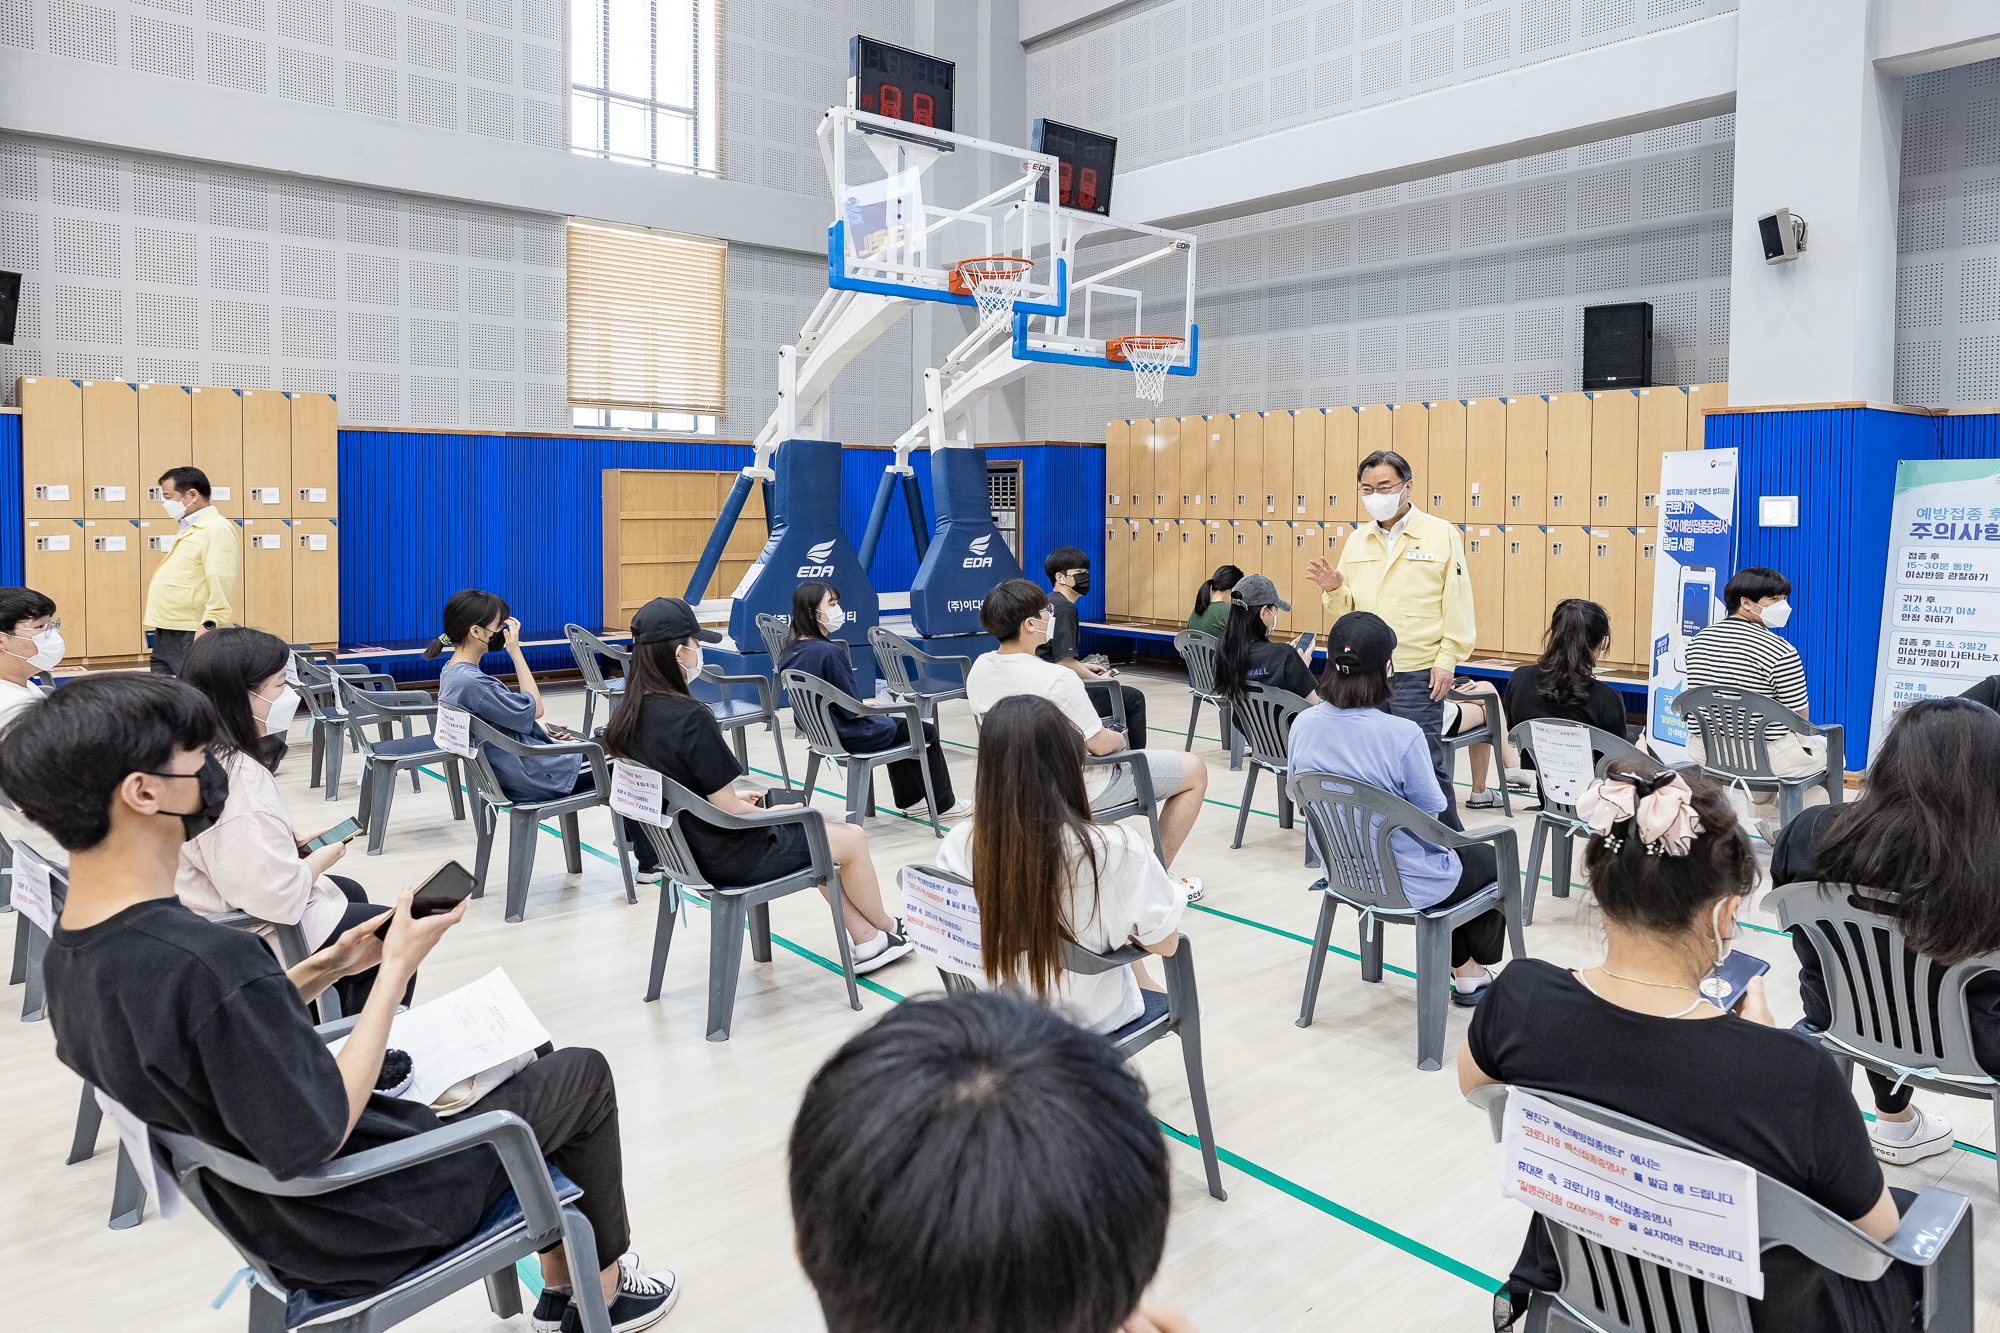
(924, 687)
(1264, 719)
(524, 818)
(1732, 726)
(382, 760)
(329, 724)
(732, 905)
(1483, 734)
(812, 703)
(718, 691)
(1179, 1014)
(1145, 801)
(773, 629)
(1350, 824)
(586, 648)
(1894, 1010)
(1556, 824)
(539, 1213)
(1198, 651)
(1609, 1291)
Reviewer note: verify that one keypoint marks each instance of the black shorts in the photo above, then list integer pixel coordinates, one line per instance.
(786, 853)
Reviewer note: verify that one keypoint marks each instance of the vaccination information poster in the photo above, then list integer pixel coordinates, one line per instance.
(1696, 556)
(1941, 610)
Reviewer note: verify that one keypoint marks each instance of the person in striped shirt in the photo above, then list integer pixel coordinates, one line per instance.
(1740, 652)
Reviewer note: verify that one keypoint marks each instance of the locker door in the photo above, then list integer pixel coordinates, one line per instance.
(218, 446)
(1118, 469)
(1614, 554)
(1663, 429)
(1343, 443)
(1374, 430)
(1308, 540)
(1701, 400)
(1280, 440)
(1116, 593)
(1568, 572)
(267, 454)
(1410, 436)
(1166, 569)
(1527, 461)
(52, 564)
(111, 449)
(1444, 493)
(315, 581)
(1246, 498)
(1218, 432)
(265, 585)
(1333, 544)
(52, 450)
(155, 538)
(1191, 438)
(1569, 458)
(1642, 597)
(1163, 441)
(1308, 466)
(1193, 567)
(113, 598)
(165, 438)
(1522, 621)
(315, 456)
(1274, 562)
(1215, 550)
(1614, 456)
(1486, 461)
(1486, 566)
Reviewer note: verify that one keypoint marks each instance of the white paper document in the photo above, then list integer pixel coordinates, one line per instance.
(637, 794)
(1562, 754)
(942, 920)
(30, 893)
(458, 1035)
(138, 1142)
(454, 731)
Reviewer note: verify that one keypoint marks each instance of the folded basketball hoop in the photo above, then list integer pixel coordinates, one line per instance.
(995, 282)
(1149, 355)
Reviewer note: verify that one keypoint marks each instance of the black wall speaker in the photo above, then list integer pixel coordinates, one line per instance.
(10, 304)
(1618, 346)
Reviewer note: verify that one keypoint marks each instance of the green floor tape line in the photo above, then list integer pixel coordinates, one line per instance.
(1275, 930)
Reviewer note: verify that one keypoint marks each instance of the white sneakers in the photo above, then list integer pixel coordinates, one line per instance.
(1931, 1137)
(1191, 886)
(921, 810)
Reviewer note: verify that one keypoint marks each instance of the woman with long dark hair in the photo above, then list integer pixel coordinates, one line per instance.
(659, 724)
(1211, 603)
(1248, 657)
(248, 860)
(1045, 874)
(809, 647)
(1926, 829)
(1563, 684)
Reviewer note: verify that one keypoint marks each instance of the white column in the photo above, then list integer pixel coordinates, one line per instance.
(1818, 131)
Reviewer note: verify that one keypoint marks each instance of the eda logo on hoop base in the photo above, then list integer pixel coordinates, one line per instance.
(979, 559)
(819, 569)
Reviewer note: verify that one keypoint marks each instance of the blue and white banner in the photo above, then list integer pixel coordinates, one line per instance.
(1696, 556)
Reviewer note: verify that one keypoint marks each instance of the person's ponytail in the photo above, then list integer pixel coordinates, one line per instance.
(1569, 651)
(462, 610)
(1224, 578)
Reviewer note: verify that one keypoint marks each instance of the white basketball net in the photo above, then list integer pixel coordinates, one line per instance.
(1149, 368)
(996, 298)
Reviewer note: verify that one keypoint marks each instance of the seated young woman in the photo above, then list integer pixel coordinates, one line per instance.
(1670, 866)
(1352, 733)
(248, 859)
(1044, 873)
(477, 623)
(1248, 657)
(659, 724)
(1461, 716)
(1211, 602)
(1927, 830)
(816, 614)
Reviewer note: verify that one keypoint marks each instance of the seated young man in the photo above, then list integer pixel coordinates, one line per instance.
(1019, 615)
(30, 641)
(194, 1028)
(1068, 571)
(956, 1205)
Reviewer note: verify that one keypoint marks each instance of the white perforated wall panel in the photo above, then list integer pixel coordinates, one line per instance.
(1948, 238)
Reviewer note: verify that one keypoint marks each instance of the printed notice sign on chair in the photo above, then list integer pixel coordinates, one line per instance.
(942, 919)
(1562, 754)
(30, 894)
(636, 793)
(453, 730)
(1673, 1206)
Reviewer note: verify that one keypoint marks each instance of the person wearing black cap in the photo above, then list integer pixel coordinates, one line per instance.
(1248, 657)
(659, 724)
(1353, 734)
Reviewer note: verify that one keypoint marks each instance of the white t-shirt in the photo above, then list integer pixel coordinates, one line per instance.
(13, 698)
(1135, 900)
(995, 676)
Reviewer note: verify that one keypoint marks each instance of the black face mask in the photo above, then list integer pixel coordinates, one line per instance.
(498, 643)
(1080, 583)
(213, 780)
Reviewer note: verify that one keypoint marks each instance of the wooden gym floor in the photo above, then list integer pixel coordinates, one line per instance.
(1363, 1193)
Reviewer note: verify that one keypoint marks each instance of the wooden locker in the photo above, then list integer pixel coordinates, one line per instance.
(1138, 572)
(111, 487)
(1645, 540)
(1569, 459)
(1308, 466)
(316, 581)
(1410, 436)
(1527, 460)
(52, 564)
(1193, 567)
(165, 438)
(1486, 461)
(51, 449)
(1274, 562)
(1161, 499)
(155, 538)
(1343, 444)
(1145, 500)
(114, 599)
(1246, 497)
(1166, 598)
(1215, 551)
(1614, 555)
(1486, 567)
(1169, 468)
(1444, 493)
(1567, 573)
(1663, 429)
(1308, 541)
(315, 456)
(264, 586)
(1280, 440)
(267, 454)
(1614, 456)
(1333, 539)
(218, 446)
(1118, 469)
(1522, 620)
(1191, 447)
(1114, 570)
(1215, 437)
(1701, 400)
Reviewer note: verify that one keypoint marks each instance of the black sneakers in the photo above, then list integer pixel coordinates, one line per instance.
(643, 1299)
(549, 1311)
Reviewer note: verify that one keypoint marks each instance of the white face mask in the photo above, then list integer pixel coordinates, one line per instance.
(688, 669)
(278, 711)
(48, 649)
(1775, 615)
(831, 618)
(1383, 507)
(174, 508)
(1723, 944)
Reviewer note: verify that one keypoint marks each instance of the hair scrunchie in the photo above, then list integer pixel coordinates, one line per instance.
(1662, 807)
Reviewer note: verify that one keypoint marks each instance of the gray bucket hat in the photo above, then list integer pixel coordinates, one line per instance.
(1256, 591)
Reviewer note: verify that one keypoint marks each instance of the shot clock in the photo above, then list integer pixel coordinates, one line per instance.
(899, 84)
(1084, 180)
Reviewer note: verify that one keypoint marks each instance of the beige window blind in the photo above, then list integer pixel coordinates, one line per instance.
(645, 320)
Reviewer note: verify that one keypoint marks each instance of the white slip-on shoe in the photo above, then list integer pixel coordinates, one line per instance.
(1933, 1136)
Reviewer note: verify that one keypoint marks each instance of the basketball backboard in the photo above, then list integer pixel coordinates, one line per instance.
(1125, 278)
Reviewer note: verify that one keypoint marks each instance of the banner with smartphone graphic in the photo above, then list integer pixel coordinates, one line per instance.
(1696, 556)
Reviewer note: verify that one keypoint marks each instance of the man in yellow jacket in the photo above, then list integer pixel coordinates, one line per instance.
(1408, 567)
(194, 589)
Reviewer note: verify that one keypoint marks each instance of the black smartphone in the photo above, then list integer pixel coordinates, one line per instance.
(345, 831)
(1304, 643)
(1723, 986)
(449, 885)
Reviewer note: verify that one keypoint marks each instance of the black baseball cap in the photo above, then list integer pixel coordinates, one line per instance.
(1360, 642)
(668, 620)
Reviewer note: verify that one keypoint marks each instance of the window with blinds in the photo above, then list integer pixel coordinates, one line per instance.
(645, 320)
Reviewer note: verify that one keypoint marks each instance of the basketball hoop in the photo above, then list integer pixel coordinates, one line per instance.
(995, 282)
(1149, 355)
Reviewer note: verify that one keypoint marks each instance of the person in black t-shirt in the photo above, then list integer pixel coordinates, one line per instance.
(194, 1028)
(1562, 685)
(1068, 571)
(1248, 657)
(1634, 1035)
(658, 724)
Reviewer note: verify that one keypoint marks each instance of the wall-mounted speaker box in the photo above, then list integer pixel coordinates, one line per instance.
(1618, 346)
(10, 304)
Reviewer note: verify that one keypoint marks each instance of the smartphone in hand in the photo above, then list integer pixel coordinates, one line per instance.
(1724, 986)
(347, 830)
(448, 886)
(1304, 643)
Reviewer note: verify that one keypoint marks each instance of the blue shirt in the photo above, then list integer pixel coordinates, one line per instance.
(540, 778)
(1389, 752)
(831, 662)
